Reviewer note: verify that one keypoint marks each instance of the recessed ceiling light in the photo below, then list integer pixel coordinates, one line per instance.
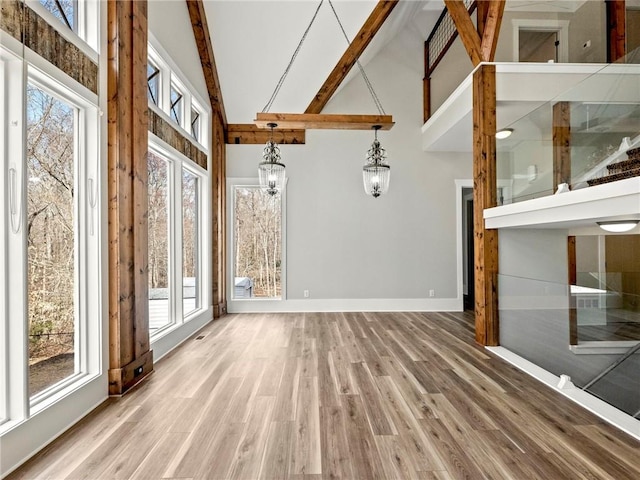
(618, 226)
(504, 133)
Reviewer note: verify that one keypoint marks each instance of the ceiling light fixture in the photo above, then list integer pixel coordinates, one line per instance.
(271, 171)
(376, 173)
(504, 133)
(618, 226)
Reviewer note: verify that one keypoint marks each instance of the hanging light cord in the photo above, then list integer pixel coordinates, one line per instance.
(376, 100)
(293, 57)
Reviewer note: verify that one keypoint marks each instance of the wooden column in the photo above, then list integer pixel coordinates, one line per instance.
(572, 280)
(485, 196)
(426, 85)
(561, 144)
(616, 30)
(219, 205)
(130, 357)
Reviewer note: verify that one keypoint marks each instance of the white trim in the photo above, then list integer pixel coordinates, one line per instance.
(346, 305)
(460, 185)
(542, 25)
(610, 414)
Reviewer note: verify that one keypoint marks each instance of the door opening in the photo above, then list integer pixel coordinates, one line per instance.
(468, 268)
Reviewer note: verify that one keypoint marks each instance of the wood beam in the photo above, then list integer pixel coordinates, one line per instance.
(485, 196)
(561, 144)
(358, 45)
(250, 134)
(130, 357)
(491, 29)
(466, 29)
(616, 12)
(207, 59)
(315, 121)
(219, 218)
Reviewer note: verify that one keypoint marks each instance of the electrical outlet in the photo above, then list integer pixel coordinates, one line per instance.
(432, 293)
(306, 294)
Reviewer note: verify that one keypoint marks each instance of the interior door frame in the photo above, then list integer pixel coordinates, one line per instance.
(542, 25)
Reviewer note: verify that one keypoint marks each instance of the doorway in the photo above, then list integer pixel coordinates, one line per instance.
(538, 40)
(468, 269)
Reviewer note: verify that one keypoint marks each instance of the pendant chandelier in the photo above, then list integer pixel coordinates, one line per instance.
(376, 173)
(271, 171)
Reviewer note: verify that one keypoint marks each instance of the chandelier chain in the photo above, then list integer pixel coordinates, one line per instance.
(376, 100)
(293, 57)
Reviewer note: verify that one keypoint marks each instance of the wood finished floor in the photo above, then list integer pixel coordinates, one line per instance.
(338, 396)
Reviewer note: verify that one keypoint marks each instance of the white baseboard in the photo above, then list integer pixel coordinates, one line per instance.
(346, 305)
(602, 409)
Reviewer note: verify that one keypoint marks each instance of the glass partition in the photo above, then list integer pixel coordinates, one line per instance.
(587, 135)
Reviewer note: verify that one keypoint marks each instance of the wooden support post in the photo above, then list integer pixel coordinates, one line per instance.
(485, 196)
(561, 144)
(573, 274)
(219, 217)
(616, 30)
(426, 85)
(130, 357)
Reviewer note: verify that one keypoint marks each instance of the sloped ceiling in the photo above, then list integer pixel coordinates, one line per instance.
(254, 40)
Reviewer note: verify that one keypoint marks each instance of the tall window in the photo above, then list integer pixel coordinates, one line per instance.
(176, 238)
(159, 218)
(190, 242)
(257, 243)
(50, 230)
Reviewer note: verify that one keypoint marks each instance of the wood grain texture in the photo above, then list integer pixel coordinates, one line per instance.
(205, 50)
(127, 133)
(485, 196)
(616, 13)
(357, 46)
(21, 22)
(250, 134)
(302, 121)
(165, 131)
(219, 217)
(466, 29)
(561, 143)
(491, 29)
(481, 417)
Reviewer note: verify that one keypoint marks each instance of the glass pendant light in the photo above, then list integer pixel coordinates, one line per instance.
(376, 173)
(271, 170)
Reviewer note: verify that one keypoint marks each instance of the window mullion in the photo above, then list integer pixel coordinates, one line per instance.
(176, 251)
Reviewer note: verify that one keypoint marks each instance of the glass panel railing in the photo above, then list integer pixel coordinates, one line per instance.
(587, 135)
(619, 384)
(539, 320)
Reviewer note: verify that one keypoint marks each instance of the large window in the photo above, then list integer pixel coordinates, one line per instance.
(176, 237)
(257, 243)
(50, 275)
(64, 10)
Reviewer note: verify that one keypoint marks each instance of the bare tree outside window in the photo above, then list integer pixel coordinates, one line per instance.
(190, 225)
(65, 10)
(158, 250)
(257, 242)
(50, 239)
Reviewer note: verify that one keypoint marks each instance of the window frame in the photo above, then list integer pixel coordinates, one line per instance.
(232, 185)
(177, 163)
(19, 407)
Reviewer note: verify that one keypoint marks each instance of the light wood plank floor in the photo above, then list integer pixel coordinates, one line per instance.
(338, 396)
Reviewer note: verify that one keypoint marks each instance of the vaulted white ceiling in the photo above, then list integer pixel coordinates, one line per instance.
(253, 42)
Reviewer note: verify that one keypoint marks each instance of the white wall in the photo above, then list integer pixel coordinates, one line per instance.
(170, 24)
(343, 245)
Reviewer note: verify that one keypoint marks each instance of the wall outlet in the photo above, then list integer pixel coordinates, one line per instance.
(432, 293)
(306, 294)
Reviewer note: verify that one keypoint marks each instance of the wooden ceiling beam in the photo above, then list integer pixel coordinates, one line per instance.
(318, 121)
(371, 26)
(205, 49)
(250, 134)
(491, 30)
(466, 29)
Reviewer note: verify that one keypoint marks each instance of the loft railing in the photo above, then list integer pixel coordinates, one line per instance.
(436, 46)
